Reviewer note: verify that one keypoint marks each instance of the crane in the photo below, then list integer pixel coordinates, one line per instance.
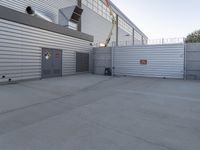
(107, 2)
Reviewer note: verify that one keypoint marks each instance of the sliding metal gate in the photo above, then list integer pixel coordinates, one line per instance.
(192, 64)
(150, 60)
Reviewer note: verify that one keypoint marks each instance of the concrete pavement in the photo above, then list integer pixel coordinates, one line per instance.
(88, 112)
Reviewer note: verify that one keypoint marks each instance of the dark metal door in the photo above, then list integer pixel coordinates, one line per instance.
(51, 63)
(82, 62)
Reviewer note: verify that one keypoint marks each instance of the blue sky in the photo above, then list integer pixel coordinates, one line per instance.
(163, 18)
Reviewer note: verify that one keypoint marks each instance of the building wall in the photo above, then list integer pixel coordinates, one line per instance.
(95, 24)
(21, 47)
(124, 37)
(48, 7)
(92, 23)
(125, 26)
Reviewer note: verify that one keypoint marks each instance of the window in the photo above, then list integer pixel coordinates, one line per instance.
(99, 7)
(125, 26)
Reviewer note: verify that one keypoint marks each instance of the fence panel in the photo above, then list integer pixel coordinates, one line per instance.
(193, 61)
(150, 61)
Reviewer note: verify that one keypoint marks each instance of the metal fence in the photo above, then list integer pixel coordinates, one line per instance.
(192, 61)
(147, 61)
(166, 41)
(165, 60)
(161, 41)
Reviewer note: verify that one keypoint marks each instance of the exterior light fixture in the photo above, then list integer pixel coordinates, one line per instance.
(102, 45)
(47, 56)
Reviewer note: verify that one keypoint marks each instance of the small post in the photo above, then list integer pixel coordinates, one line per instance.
(117, 30)
(142, 40)
(112, 60)
(185, 61)
(133, 36)
(163, 41)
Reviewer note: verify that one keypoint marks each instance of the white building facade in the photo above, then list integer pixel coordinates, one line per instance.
(95, 19)
(53, 38)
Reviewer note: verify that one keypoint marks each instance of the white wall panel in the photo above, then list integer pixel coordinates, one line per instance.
(163, 61)
(21, 45)
(48, 7)
(92, 23)
(96, 25)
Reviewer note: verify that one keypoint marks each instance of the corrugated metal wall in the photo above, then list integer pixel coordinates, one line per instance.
(193, 61)
(48, 7)
(102, 60)
(91, 21)
(20, 50)
(163, 61)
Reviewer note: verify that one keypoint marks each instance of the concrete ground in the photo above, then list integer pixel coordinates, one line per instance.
(88, 112)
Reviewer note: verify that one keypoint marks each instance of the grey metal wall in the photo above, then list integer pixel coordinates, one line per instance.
(163, 61)
(193, 61)
(48, 7)
(92, 23)
(20, 50)
(102, 59)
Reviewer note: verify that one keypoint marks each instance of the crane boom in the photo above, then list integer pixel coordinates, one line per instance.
(113, 23)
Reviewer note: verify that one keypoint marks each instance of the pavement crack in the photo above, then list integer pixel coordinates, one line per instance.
(54, 99)
(117, 130)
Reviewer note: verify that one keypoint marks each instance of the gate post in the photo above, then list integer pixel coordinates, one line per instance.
(112, 60)
(185, 63)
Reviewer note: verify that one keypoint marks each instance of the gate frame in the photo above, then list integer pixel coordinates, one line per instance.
(42, 61)
(88, 61)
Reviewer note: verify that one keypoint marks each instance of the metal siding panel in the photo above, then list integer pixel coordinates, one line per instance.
(21, 46)
(163, 61)
(48, 7)
(94, 24)
(102, 60)
(192, 61)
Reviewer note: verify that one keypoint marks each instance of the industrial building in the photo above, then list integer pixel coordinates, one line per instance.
(95, 18)
(97, 21)
(48, 38)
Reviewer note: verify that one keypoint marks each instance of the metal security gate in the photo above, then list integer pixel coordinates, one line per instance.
(149, 61)
(82, 62)
(192, 64)
(51, 63)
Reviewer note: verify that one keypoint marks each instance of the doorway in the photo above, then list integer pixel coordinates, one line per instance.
(51, 63)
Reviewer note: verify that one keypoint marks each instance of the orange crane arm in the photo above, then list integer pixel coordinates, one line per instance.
(113, 23)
